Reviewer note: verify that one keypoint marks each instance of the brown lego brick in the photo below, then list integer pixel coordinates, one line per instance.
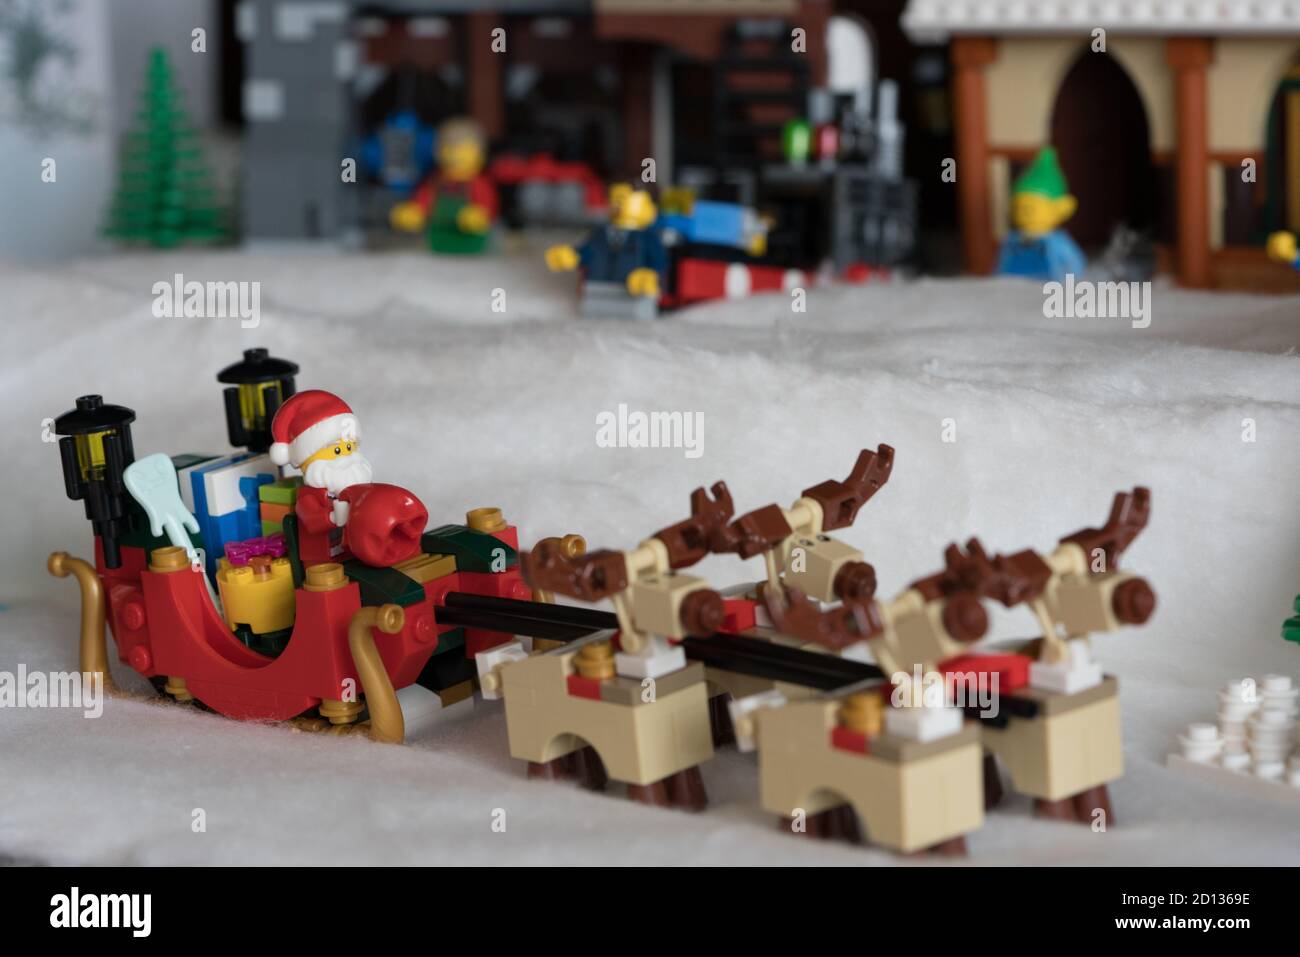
(456, 693)
(759, 531)
(628, 690)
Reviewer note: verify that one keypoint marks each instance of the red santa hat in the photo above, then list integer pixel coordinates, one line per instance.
(308, 422)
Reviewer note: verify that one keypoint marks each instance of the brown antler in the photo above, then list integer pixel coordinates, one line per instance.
(1018, 578)
(797, 616)
(1010, 579)
(840, 501)
(755, 532)
(589, 577)
(1128, 516)
(968, 571)
(693, 538)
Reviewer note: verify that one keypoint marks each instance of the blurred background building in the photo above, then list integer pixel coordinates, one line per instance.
(1153, 135)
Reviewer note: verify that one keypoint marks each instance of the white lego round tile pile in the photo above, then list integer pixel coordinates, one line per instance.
(468, 406)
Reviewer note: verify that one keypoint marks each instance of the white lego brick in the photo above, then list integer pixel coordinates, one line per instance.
(264, 100)
(346, 60)
(296, 22)
(492, 658)
(936, 20)
(221, 484)
(185, 477)
(245, 21)
(1077, 673)
(1235, 762)
(1279, 693)
(1202, 743)
(655, 662)
(858, 651)
(742, 709)
(1270, 770)
(422, 709)
(923, 723)
(196, 476)
(1063, 679)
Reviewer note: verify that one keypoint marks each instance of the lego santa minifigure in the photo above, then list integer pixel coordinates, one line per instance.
(315, 431)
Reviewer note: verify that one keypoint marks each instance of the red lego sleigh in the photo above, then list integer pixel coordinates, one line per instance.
(165, 624)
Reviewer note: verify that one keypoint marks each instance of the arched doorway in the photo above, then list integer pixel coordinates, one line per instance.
(1099, 128)
(1282, 166)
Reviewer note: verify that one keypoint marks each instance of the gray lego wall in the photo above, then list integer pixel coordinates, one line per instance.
(299, 62)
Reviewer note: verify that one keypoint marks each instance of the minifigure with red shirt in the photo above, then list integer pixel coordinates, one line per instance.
(457, 204)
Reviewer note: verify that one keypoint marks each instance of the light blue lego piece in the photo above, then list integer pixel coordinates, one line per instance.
(1050, 257)
(720, 224)
(152, 482)
(713, 223)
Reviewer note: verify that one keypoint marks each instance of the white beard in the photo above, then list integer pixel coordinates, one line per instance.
(334, 475)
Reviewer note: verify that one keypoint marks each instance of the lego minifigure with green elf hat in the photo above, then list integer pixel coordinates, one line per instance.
(1037, 246)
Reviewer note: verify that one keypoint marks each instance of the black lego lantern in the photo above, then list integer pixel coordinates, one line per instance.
(95, 448)
(259, 385)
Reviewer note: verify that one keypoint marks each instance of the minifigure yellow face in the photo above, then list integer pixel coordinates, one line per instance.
(617, 193)
(1037, 215)
(636, 210)
(336, 450)
(461, 159)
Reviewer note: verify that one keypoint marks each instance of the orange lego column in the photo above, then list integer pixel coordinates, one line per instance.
(970, 57)
(485, 67)
(1189, 58)
(814, 17)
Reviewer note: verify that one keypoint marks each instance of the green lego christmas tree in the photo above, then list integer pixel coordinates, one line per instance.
(166, 194)
(1291, 627)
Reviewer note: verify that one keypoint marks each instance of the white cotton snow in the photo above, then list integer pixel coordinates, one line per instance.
(468, 406)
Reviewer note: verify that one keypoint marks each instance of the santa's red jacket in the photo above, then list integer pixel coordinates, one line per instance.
(319, 539)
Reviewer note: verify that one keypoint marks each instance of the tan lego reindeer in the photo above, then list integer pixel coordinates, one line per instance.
(1062, 743)
(573, 704)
